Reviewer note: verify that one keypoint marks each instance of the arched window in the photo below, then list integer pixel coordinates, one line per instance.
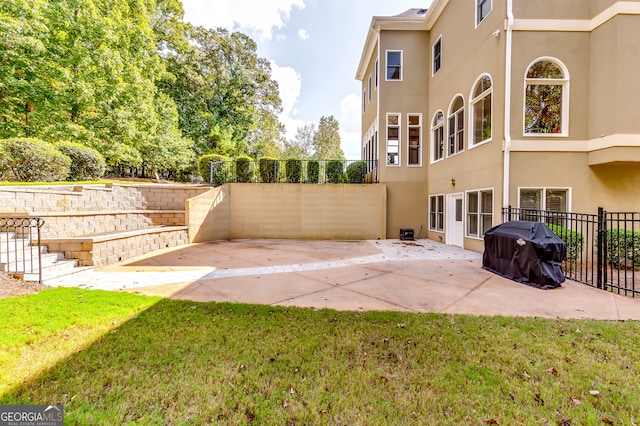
(455, 131)
(546, 103)
(481, 111)
(437, 137)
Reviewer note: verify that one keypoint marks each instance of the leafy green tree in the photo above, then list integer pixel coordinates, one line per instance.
(87, 71)
(227, 101)
(326, 140)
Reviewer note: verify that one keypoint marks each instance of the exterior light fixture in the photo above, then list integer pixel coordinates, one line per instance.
(452, 182)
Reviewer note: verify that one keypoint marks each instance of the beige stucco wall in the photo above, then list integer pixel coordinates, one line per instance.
(409, 96)
(407, 208)
(308, 211)
(209, 215)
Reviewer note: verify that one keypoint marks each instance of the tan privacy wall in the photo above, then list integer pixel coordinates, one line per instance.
(208, 215)
(288, 211)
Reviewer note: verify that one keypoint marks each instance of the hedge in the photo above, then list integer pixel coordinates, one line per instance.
(86, 163)
(623, 248)
(356, 172)
(268, 169)
(572, 239)
(294, 170)
(313, 171)
(335, 169)
(244, 169)
(32, 160)
(220, 173)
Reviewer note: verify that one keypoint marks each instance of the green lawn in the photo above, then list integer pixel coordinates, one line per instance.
(118, 358)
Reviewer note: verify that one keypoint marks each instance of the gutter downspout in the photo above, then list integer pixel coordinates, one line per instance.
(507, 107)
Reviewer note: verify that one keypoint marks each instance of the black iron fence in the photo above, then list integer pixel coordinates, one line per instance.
(20, 250)
(292, 171)
(603, 249)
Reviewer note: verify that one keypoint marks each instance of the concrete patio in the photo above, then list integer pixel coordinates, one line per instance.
(420, 276)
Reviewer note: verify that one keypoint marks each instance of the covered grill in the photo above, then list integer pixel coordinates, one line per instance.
(526, 252)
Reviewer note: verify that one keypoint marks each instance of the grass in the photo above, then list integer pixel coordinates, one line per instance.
(128, 359)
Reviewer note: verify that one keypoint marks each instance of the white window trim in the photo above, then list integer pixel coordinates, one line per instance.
(433, 58)
(386, 161)
(419, 141)
(464, 128)
(369, 89)
(543, 198)
(565, 98)
(434, 227)
(485, 17)
(472, 102)
(479, 213)
(386, 58)
(433, 140)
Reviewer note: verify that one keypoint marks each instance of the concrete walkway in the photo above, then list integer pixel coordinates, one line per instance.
(420, 276)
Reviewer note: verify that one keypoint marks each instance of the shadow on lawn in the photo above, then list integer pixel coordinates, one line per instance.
(186, 362)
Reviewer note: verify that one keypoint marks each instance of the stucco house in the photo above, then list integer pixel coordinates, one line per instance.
(475, 105)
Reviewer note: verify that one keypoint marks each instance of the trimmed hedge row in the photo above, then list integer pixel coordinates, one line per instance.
(572, 239)
(623, 248)
(34, 160)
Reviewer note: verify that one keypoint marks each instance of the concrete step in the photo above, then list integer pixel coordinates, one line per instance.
(16, 261)
(50, 272)
(63, 280)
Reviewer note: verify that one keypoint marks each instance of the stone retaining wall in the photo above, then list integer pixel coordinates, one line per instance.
(71, 198)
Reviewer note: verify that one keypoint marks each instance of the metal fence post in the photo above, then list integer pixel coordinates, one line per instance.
(601, 245)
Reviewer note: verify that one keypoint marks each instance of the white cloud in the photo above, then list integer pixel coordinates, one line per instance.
(303, 34)
(255, 16)
(350, 126)
(290, 85)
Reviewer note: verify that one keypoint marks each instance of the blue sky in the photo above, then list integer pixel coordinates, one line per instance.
(314, 47)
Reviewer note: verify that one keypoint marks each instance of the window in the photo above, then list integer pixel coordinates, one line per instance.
(414, 122)
(548, 199)
(481, 111)
(546, 99)
(393, 139)
(455, 133)
(369, 87)
(437, 56)
(479, 212)
(377, 71)
(483, 7)
(394, 65)
(436, 213)
(554, 199)
(437, 135)
(364, 100)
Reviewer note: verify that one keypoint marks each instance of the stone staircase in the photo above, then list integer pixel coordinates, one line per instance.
(25, 261)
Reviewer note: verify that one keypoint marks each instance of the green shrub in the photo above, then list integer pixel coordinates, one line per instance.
(244, 169)
(356, 172)
(220, 171)
(572, 239)
(86, 163)
(268, 169)
(294, 170)
(33, 160)
(335, 169)
(623, 248)
(313, 171)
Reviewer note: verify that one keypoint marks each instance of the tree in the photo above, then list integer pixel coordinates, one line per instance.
(302, 145)
(87, 71)
(227, 101)
(326, 140)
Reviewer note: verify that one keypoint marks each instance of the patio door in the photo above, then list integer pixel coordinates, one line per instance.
(455, 226)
